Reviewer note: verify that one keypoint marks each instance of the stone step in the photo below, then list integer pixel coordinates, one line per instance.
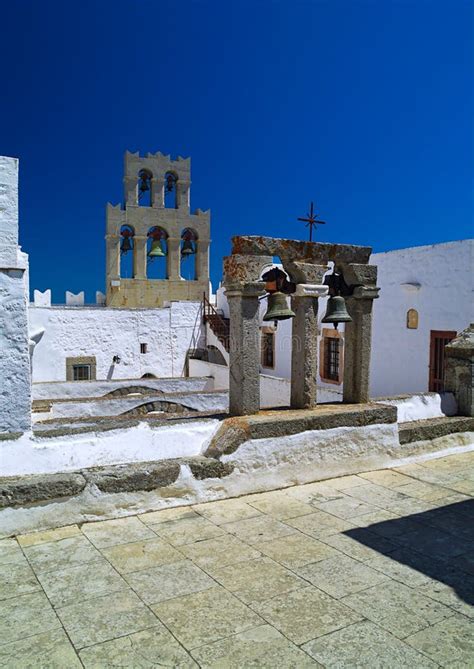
(432, 428)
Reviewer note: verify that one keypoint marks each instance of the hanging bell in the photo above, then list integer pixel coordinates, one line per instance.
(144, 185)
(187, 248)
(126, 245)
(336, 311)
(278, 309)
(156, 250)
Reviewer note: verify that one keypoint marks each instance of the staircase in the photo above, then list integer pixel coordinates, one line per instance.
(218, 324)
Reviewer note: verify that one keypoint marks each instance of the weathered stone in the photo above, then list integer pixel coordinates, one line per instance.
(133, 477)
(460, 370)
(291, 249)
(303, 272)
(244, 269)
(433, 428)
(209, 468)
(24, 490)
(359, 275)
(244, 351)
(357, 345)
(235, 431)
(304, 354)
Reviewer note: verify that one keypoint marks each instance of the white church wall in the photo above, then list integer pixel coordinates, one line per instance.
(15, 376)
(107, 332)
(438, 282)
(68, 390)
(140, 443)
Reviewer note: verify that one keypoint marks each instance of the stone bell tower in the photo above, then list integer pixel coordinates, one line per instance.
(155, 229)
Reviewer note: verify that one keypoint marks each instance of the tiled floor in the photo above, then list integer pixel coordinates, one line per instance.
(375, 570)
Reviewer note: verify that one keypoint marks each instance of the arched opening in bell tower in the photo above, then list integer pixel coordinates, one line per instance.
(189, 254)
(144, 188)
(157, 253)
(171, 190)
(127, 252)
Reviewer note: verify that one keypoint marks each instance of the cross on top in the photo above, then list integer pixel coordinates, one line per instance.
(311, 221)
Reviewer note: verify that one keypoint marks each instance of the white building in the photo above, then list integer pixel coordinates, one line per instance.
(426, 298)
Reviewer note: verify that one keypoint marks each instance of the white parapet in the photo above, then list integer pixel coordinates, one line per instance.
(42, 299)
(8, 212)
(15, 373)
(75, 299)
(99, 298)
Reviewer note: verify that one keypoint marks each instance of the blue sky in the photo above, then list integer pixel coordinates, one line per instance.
(365, 107)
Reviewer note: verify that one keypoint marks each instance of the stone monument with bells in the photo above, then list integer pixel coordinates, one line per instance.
(155, 225)
(351, 288)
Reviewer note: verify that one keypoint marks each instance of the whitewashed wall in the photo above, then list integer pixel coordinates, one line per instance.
(103, 332)
(15, 378)
(438, 282)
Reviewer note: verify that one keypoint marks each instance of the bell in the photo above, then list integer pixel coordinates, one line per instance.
(278, 309)
(126, 245)
(144, 186)
(156, 250)
(187, 249)
(336, 311)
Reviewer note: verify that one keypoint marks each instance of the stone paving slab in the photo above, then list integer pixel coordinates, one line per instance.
(371, 570)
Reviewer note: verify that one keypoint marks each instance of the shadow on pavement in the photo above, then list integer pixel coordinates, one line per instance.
(438, 543)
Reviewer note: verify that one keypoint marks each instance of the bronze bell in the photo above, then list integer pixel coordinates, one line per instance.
(126, 245)
(144, 185)
(278, 309)
(156, 250)
(187, 249)
(336, 311)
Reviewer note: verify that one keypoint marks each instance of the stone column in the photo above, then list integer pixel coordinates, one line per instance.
(202, 259)
(244, 354)
(139, 264)
(459, 355)
(158, 193)
(182, 194)
(357, 344)
(174, 259)
(130, 186)
(112, 255)
(304, 347)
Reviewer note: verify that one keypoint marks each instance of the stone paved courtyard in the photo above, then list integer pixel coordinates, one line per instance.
(374, 570)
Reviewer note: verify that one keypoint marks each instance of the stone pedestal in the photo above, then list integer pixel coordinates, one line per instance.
(202, 258)
(158, 193)
(174, 259)
(139, 259)
(459, 376)
(357, 344)
(304, 351)
(244, 354)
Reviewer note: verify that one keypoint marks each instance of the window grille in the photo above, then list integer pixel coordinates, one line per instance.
(143, 348)
(331, 362)
(81, 372)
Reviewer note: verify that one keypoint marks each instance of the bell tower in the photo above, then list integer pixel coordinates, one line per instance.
(156, 250)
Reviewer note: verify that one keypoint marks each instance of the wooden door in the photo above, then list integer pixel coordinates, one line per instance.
(438, 340)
